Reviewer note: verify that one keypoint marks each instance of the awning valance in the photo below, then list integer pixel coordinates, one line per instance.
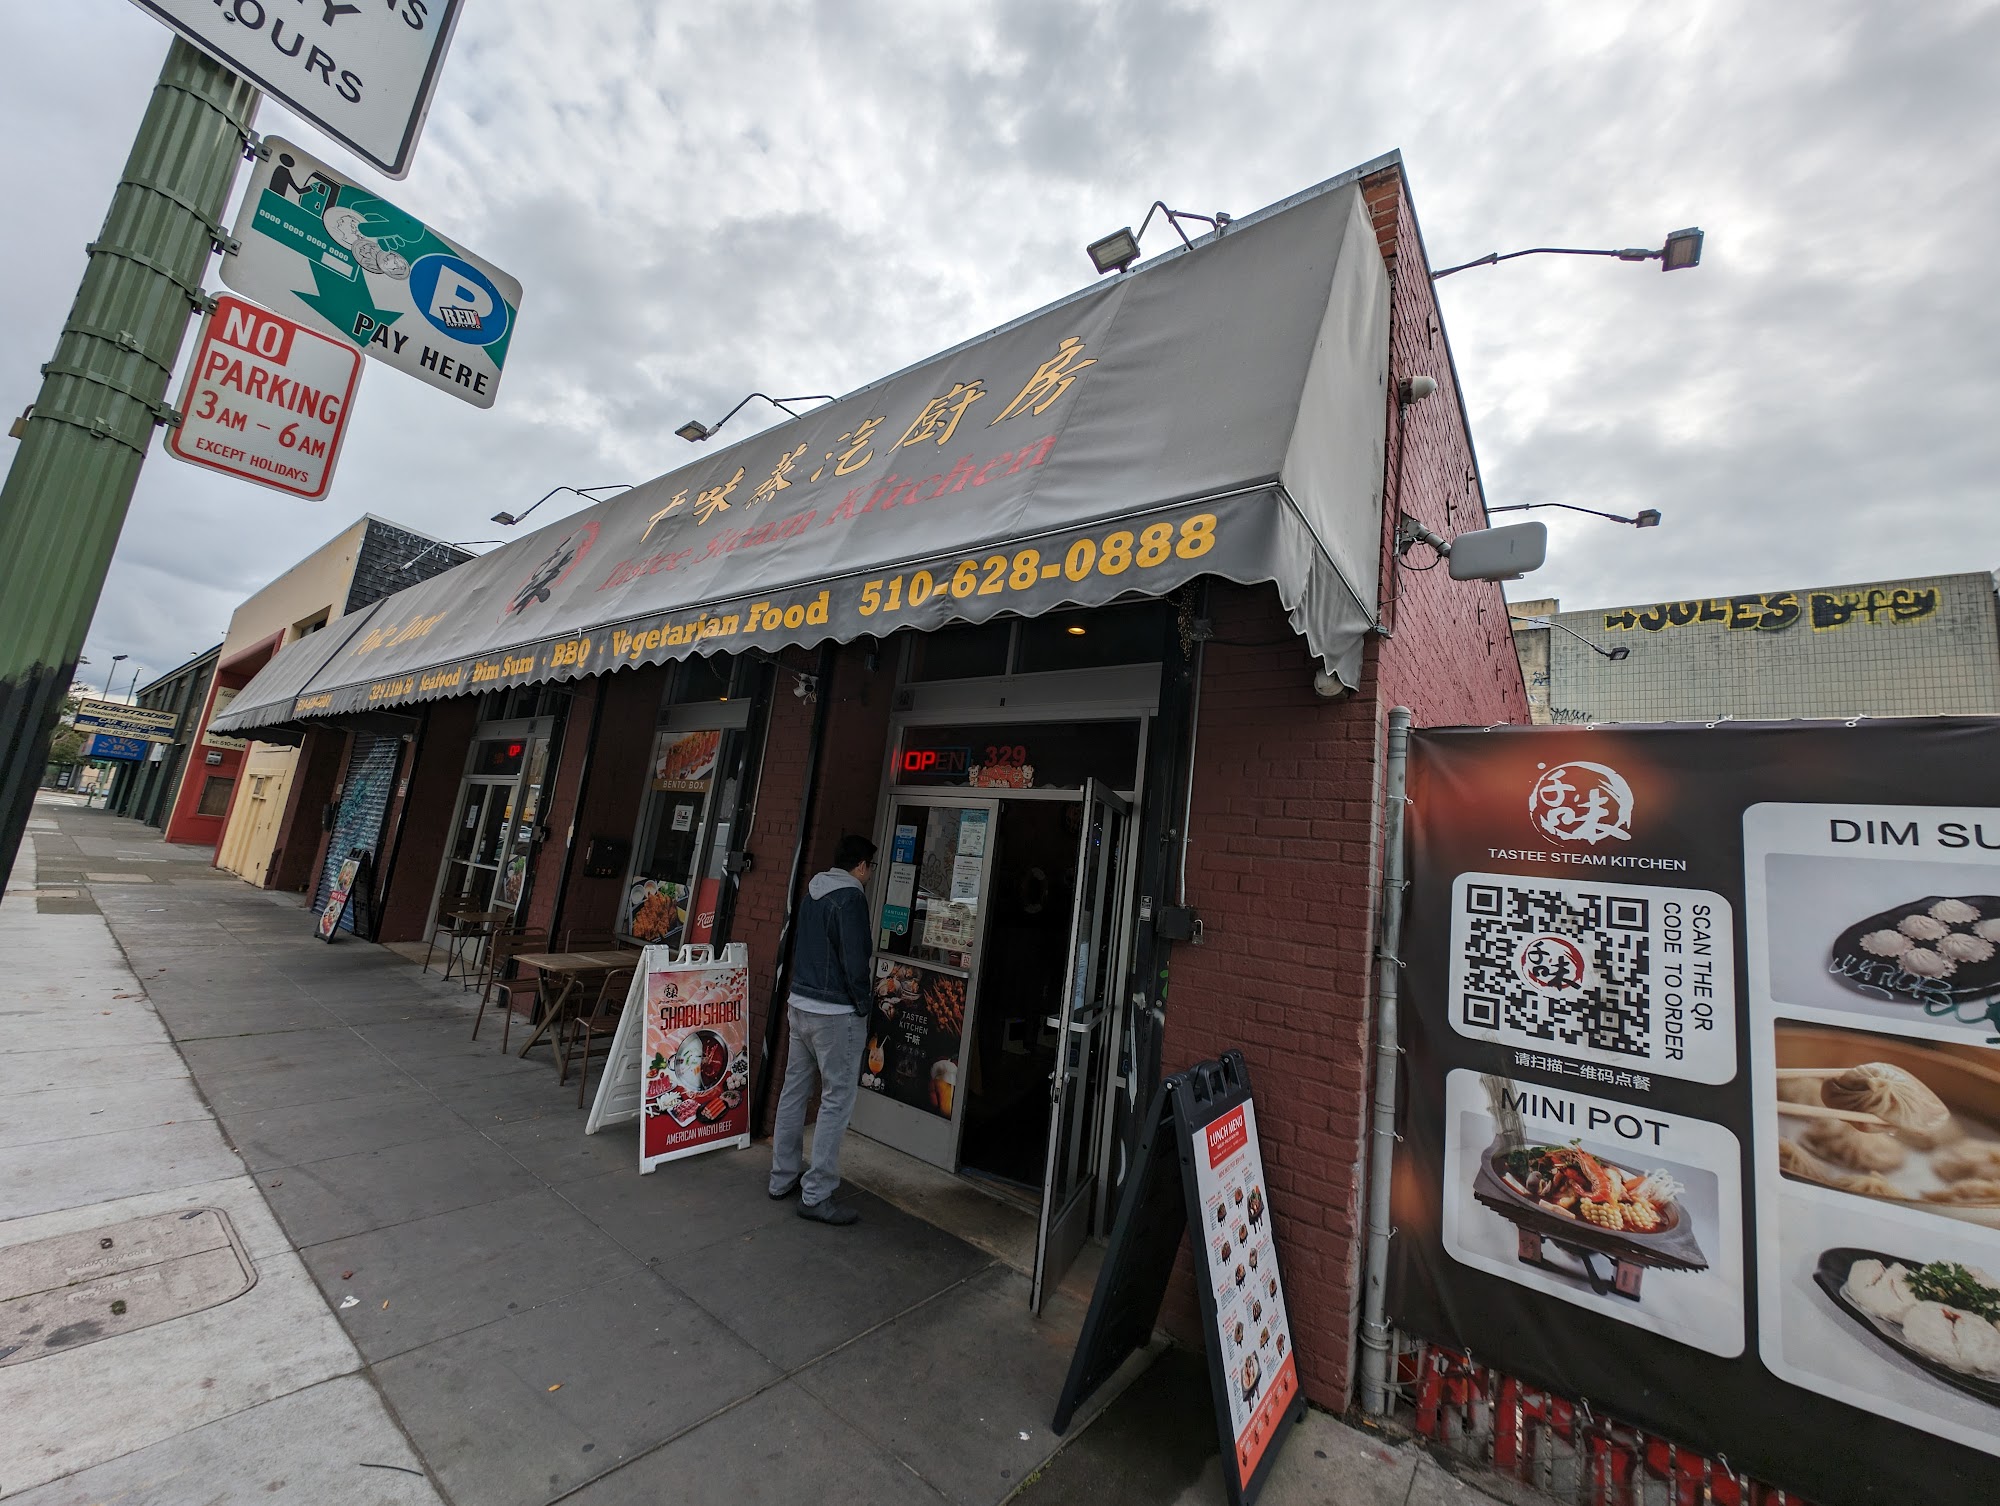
(1218, 412)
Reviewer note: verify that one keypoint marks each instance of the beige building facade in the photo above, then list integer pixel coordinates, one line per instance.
(1919, 646)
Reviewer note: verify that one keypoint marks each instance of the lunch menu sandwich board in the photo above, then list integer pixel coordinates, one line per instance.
(1701, 1116)
(679, 1060)
(1200, 1172)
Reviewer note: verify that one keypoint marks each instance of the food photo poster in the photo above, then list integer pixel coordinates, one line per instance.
(1701, 1113)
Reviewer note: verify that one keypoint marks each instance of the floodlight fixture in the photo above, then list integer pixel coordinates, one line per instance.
(509, 519)
(1681, 251)
(1117, 251)
(1489, 554)
(694, 431)
(1648, 517)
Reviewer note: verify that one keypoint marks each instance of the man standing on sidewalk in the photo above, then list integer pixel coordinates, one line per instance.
(829, 1020)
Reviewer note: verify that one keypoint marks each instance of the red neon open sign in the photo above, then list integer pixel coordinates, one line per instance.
(934, 761)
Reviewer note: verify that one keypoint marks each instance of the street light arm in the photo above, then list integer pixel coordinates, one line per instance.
(1629, 253)
(1615, 655)
(508, 519)
(1569, 507)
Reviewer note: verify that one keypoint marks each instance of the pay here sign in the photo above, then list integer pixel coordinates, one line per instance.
(266, 399)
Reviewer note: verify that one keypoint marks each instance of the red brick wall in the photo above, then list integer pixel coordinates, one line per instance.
(851, 766)
(612, 796)
(437, 768)
(1449, 656)
(1285, 858)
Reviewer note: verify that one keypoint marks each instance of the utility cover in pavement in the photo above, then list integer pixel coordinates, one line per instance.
(74, 1289)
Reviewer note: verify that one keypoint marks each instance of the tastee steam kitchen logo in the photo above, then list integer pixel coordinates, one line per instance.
(1552, 964)
(1581, 802)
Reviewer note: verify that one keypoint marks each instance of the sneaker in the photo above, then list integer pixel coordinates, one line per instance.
(778, 1195)
(827, 1211)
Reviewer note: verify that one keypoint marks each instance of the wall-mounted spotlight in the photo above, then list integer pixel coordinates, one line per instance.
(1414, 389)
(1118, 250)
(509, 519)
(694, 430)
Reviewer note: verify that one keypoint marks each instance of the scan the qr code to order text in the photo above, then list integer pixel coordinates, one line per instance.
(1624, 976)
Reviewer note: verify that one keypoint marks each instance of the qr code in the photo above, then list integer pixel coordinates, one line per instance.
(1568, 966)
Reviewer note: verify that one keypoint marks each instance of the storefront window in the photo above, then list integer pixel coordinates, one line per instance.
(966, 652)
(1078, 639)
(683, 837)
(215, 793)
(1019, 755)
(700, 680)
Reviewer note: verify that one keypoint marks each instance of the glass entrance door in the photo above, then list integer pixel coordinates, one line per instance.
(1098, 939)
(934, 858)
(499, 814)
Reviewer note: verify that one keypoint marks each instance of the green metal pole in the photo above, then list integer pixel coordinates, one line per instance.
(66, 494)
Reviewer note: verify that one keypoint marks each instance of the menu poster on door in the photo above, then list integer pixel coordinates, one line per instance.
(336, 901)
(914, 1031)
(1252, 1333)
(696, 1062)
(686, 762)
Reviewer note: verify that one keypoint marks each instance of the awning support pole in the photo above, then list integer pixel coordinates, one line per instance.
(781, 977)
(1377, 1339)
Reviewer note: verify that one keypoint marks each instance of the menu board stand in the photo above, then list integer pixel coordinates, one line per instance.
(353, 885)
(1200, 1132)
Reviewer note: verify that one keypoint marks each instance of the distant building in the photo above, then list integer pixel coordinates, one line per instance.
(1926, 646)
(145, 790)
(232, 792)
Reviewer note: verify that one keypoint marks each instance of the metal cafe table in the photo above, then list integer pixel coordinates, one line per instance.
(571, 970)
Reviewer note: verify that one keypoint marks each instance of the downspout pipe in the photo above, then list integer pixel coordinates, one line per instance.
(1377, 1339)
(781, 979)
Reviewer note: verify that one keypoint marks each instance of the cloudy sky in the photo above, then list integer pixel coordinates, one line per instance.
(702, 200)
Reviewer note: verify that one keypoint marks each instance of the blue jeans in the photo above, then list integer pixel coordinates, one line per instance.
(825, 1049)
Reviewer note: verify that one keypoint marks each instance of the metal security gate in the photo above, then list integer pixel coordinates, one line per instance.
(364, 803)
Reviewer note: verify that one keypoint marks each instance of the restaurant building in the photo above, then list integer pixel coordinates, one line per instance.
(1093, 623)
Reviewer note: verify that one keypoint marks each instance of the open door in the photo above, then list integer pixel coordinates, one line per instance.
(1084, 1029)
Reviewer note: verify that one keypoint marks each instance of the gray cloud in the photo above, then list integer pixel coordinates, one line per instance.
(802, 197)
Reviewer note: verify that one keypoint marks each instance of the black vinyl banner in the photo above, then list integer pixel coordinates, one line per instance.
(1701, 1118)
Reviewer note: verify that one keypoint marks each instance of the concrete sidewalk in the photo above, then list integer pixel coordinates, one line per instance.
(260, 1397)
(503, 1303)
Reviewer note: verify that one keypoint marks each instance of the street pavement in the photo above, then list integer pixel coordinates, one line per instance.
(459, 1295)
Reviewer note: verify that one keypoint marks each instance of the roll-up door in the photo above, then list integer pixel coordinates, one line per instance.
(364, 804)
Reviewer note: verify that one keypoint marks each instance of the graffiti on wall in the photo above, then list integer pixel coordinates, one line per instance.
(1774, 611)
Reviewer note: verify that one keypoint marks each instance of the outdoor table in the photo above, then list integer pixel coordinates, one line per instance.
(466, 925)
(571, 968)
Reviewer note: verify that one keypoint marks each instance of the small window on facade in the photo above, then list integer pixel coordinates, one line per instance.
(215, 795)
(1077, 638)
(702, 679)
(966, 652)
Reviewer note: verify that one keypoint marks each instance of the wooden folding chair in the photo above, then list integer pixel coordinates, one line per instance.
(500, 958)
(601, 1019)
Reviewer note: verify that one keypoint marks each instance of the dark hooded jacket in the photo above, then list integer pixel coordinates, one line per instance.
(830, 961)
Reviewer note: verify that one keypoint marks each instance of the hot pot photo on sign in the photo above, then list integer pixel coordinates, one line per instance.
(697, 1080)
(1900, 1121)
